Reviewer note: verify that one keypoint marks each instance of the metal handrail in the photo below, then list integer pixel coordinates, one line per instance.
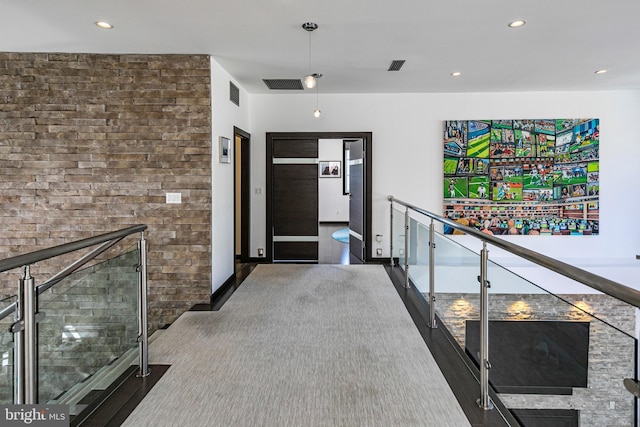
(43, 254)
(599, 283)
(67, 271)
(27, 316)
(108, 240)
(11, 308)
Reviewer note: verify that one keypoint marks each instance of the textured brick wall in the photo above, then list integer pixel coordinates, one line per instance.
(91, 144)
(611, 353)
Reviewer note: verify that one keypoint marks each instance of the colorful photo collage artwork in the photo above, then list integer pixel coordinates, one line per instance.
(537, 176)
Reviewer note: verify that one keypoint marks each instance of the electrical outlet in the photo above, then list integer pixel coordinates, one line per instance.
(379, 251)
(260, 252)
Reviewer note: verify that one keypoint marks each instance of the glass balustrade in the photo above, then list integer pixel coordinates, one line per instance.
(91, 320)
(419, 255)
(398, 237)
(559, 350)
(457, 289)
(6, 353)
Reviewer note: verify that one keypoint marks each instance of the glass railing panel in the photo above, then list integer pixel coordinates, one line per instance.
(91, 319)
(457, 290)
(558, 355)
(559, 351)
(419, 255)
(398, 236)
(6, 353)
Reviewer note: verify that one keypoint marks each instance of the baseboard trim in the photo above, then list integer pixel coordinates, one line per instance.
(378, 260)
(223, 288)
(222, 294)
(216, 296)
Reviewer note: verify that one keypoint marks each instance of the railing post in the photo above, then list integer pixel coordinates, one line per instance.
(143, 343)
(406, 248)
(484, 401)
(633, 384)
(18, 348)
(30, 343)
(391, 262)
(432, 282)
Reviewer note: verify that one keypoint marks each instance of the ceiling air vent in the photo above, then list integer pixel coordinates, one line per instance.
(234, 94)
(396, 64)
(283, 84)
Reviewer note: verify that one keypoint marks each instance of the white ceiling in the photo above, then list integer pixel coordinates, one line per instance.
(561, 46)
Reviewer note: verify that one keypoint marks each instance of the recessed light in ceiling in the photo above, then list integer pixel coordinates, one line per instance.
(517, 23)
(104, 25)
(456, 74)
(601, 71)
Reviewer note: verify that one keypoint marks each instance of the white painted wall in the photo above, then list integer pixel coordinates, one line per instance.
(407, 158)
(225, 115)
(333, 205)
(407, 152)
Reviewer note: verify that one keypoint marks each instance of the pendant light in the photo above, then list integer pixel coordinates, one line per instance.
(310, 80)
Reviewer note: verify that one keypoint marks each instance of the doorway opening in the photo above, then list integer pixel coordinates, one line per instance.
(297, 170)
(242, 191)
(333, 202)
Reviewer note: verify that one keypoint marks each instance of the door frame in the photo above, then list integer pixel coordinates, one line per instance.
(367, 208)
(245, 193)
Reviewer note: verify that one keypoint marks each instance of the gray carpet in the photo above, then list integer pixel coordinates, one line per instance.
(300, 345)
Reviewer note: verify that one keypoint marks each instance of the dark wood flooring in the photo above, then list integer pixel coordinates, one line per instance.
(112, 406)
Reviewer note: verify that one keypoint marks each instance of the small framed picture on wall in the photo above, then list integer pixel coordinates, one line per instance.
(225, 150)
(330, 169)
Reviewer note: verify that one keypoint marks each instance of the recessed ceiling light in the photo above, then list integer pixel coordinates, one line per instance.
(517, 23)
(104, 25)
(601, 71)
(456, 74)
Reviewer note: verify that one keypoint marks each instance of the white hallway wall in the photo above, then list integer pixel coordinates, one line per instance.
(407, 156)
(407, 152)
(225, 115)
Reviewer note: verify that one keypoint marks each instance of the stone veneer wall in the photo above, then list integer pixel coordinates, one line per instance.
(91, 144)
(611, 353)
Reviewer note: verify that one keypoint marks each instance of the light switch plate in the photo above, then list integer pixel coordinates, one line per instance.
(174, 198)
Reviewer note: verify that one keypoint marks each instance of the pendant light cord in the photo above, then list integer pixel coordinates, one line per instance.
(309, 52)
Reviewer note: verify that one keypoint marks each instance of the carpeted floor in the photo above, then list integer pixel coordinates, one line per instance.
(300, 345)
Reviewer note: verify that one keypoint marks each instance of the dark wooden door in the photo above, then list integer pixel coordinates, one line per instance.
(294, 211)
(357, 202)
